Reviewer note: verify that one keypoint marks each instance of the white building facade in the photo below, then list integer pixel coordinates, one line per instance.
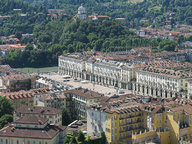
(95, 121)
(161, 82)
(100, 71)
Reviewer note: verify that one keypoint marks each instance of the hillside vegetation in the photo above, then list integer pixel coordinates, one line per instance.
(129, 9)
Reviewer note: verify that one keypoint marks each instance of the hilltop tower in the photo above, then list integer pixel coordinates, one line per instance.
(82, 14)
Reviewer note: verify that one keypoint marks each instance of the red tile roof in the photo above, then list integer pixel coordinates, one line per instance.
(37, 110)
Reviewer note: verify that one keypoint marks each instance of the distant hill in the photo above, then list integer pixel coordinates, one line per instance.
(132, 10)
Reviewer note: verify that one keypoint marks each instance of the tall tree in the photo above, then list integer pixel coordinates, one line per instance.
(5, 119)
(103, 137)
(73, 140)
(6, 106)
(66, 119)
(81, 136)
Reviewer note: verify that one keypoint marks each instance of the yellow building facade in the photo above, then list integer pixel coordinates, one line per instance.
(148, 123)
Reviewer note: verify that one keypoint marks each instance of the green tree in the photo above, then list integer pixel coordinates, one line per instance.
(6, 106)
(67, 140)
(180, 39)
(81, 136)
(73, 140)
(18, 35)
(66, 119)
(5, 119)
(103, 138)
(29, 47)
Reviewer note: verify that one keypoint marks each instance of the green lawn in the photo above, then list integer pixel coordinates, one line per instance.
(135, 1)
(36, 70)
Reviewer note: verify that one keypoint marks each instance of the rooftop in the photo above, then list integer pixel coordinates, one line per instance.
(32, 120)
(38, 110)
(84, 93)
(49, 132)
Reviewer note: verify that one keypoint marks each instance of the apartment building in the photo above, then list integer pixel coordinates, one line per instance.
(53, 100)
(16, 82)
(137, 119)
(77, 101)
(20, 98)
(54, 115)
(28, 98)
(161, 82)
(32, 130)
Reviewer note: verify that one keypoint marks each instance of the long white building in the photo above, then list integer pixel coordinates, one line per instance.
(98, 71)
(161, 82)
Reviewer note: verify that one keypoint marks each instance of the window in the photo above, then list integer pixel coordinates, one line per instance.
(115, 137)
(112, 124)
(115, 124)
(115, 130)
(157, 122)
(112, 137)
(112, 118)
(112, 131)
(160, 121)
(17, 141)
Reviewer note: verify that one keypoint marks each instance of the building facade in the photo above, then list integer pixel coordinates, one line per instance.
(25, 98)
(12, 83)
(101, 71)
(32, 130)
(54, 115)
(161, 82)
(135, 120)
(53, 100)
(77, 100)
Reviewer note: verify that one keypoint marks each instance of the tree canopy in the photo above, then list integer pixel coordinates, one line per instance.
(6, 111)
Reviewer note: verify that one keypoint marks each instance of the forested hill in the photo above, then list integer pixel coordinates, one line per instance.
(75, 36)
(8, 6)
(57, 37)
(129, 9)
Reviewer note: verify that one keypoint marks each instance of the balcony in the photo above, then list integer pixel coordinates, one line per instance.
(134, 122)
(130, 129)
(183, 126)
(130, 116)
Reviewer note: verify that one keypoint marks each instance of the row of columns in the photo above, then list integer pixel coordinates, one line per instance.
(155, 91)
(105, 80)
(95, 78)
(75, 74)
